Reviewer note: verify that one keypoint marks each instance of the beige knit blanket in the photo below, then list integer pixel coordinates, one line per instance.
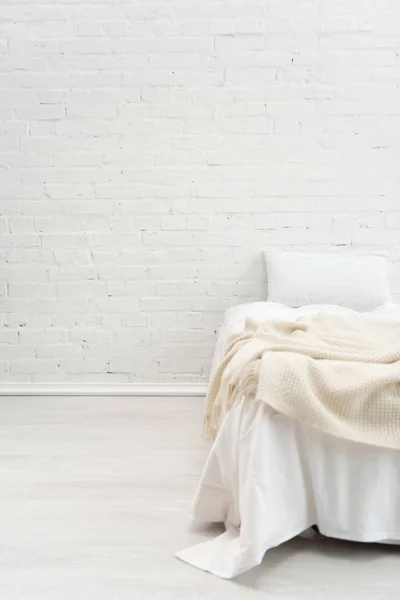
(340, 375)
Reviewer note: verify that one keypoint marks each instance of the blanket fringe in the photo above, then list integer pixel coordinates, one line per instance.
(211, 423)
(236, 391)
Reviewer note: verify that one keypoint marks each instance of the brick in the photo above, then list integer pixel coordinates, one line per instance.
(81, 289)
(92, 45)
(91, 112)
(15, 352)
(114, 240)
(46, 112)
(136, 320)
(170, 272)
(117, 305)
(46, 367)
(9, 337)
(31, 290)
(259, 78)
(49, 336)
(58, 351)
(239, 43)
(32, 47)
(87, 159)
(87, 365)
(130, 289)
(64, 240)
(122, 365)
(20, 240)
(121, 272)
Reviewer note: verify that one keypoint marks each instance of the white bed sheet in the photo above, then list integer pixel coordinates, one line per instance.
(269, 478)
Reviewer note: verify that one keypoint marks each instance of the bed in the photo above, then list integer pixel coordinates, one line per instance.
(270, 478)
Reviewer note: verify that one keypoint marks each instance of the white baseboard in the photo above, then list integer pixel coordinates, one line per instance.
(107, 389)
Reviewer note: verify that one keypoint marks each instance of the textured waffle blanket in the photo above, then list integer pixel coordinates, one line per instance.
(338, 374)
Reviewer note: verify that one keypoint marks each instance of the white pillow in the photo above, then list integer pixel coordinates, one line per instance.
(353, 280)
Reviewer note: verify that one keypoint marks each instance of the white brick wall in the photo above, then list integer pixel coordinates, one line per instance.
(150, 149)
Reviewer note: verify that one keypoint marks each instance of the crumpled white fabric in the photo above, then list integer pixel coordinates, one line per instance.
(269, 478)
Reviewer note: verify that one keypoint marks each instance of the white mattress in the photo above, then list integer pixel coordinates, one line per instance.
(269, 478)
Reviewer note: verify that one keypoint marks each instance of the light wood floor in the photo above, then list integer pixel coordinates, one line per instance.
(94, 494)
